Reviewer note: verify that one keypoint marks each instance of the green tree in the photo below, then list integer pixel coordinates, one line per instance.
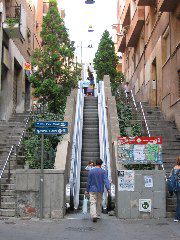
(106, 60)
(56, 72)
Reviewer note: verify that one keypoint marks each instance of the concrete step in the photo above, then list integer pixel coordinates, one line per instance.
(91, 144)
(8, 198)
(8, 192)
(84, 179)
(7, 212)
(83, 185)
(89, 158)
(9, 186)
(90, 154)
(84, 173)
(90, 149)
(90, 110)
(8, 205)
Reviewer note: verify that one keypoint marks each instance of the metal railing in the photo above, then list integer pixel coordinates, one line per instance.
(145, 122)
(13, 152)
(75, 169)
(140, 114)
(103, 135)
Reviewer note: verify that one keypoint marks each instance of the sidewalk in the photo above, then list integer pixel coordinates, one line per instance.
(79, 227)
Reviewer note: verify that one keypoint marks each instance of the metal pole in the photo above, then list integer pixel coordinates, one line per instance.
(42, 177)
(81, 52)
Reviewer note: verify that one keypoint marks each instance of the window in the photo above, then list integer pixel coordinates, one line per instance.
(165, 45)
(45, 7)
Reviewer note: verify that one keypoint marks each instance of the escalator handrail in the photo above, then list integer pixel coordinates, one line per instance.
(76, 148)
(103, 130)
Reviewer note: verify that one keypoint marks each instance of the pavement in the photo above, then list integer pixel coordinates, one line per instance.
(80, 227)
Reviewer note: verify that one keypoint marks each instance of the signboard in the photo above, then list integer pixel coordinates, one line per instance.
(148, 181)
(140, 150)
(126, 180)
(51, 130)
(51, 124)
(27, 66)
(145, 205)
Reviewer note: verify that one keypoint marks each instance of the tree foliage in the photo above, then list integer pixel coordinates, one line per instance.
(56, 73)
(106, 60)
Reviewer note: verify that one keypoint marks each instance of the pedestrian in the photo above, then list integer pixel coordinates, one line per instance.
(90, 165)
(97, 179)
(127, 90)
(176, 172)
(85, 86)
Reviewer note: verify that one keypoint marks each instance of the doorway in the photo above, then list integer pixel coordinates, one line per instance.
(16, 83)
(27, 94)
(154, 96)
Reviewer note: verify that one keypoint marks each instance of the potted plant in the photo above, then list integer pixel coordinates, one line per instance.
(11, 27)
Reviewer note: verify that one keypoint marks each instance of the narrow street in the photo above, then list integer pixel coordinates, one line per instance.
(80, 227)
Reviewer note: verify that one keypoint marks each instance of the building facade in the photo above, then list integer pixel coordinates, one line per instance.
(41, 9)
(16, 46)
(149, 39)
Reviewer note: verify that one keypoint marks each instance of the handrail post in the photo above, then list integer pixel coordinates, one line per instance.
(0, 192)
(9, 169)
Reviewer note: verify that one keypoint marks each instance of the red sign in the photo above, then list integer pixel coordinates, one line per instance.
(27, 66)
(140, 140)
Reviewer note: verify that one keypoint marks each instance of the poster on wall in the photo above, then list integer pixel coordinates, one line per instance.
(148, 181)
(145, 205)
(139, 150)
(126, 180)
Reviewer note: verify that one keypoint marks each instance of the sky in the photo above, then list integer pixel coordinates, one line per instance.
(79, 16)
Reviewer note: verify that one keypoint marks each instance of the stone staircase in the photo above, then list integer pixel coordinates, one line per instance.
(10, 133)
(158, 126)
(90, 140)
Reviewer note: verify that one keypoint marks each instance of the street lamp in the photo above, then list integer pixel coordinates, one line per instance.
(89, 2)
(90, 29)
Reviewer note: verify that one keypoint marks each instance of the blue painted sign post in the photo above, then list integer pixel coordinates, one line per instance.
(47, 128)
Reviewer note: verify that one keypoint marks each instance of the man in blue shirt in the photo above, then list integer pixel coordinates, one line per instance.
(97, 179)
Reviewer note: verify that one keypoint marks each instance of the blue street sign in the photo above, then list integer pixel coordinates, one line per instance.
(51, 130)
(51, 124)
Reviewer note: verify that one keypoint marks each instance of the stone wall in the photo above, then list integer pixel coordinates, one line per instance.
(112, 122)
(27, 187)
(128, 201)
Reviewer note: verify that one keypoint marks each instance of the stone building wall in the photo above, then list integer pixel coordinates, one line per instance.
(155, 56)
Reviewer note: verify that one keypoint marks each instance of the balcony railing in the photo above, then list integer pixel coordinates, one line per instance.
(121, 43)
(11, 25)
(125, 17)
(135, 27)
(145, 2)
(167, 5)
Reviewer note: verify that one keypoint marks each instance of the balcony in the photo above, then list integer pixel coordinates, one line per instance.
(167, 5)
(125, 17)
(135, 27)
(121, 44)
(145, 2)
(11, 25)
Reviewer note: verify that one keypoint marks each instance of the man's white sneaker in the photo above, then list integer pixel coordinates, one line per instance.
(176, 220)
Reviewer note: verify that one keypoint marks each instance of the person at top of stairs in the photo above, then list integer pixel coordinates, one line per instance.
(176, 172)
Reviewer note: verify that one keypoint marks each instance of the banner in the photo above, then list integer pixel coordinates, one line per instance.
(139, 150)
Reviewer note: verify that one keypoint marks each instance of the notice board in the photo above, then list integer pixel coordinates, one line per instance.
(139, 150)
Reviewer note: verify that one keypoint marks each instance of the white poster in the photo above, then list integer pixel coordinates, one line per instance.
(145, 205)
(139, 154)
(126, 180)
(148, 181)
